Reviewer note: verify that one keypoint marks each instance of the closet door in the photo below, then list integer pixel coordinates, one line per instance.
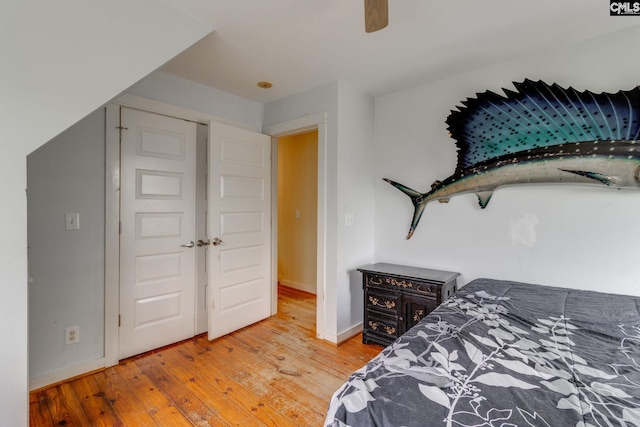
(157, 262)
(240, 228)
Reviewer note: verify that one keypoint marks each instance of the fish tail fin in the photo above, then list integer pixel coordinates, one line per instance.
(418, 201)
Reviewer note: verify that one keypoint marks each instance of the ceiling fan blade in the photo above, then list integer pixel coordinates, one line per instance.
(376, 15)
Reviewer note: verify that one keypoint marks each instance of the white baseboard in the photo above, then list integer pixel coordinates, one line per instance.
(344, 335)
(65, 373)
(350, 333)
(306, 287)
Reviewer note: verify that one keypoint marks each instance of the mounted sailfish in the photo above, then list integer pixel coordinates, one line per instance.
(539, 134)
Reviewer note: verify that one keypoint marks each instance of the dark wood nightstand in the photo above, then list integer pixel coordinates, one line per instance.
(396, 297)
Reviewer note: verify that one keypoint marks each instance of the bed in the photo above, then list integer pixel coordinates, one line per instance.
(501, 353)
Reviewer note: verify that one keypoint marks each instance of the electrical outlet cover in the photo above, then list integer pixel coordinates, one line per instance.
(72, 335)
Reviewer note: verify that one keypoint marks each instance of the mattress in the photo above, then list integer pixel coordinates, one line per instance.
(501, 353)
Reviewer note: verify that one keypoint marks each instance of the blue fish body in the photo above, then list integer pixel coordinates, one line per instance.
(540, 134)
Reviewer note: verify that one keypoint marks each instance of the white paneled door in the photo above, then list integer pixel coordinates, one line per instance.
(240, 228)
(157, 252)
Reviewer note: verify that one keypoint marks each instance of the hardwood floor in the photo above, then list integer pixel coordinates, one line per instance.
(273, 373)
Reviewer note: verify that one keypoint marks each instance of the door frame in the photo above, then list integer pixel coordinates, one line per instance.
(317, 122)
(112, 202)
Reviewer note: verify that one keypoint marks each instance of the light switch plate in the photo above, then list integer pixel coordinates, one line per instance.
(72, 221)
(349, 220)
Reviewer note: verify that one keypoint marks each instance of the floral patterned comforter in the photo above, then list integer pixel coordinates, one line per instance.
(505, 354)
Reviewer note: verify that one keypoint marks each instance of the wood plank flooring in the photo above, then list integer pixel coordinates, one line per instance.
(273, 373)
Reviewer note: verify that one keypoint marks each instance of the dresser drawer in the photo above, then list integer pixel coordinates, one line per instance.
(402, 284)
(383, 301)
(382, 324)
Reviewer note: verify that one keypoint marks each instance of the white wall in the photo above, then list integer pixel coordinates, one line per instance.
(349, 190)
(582, 237)
(180, 92)
(355, 196)
(66, 268)
(60, 62)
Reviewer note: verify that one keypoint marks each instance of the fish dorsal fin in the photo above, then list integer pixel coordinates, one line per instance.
(605, 179)
(538, 115)
(484, 197)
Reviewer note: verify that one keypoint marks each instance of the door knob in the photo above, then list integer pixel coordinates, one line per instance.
(216, 242)
(202, 243)
(189, 244)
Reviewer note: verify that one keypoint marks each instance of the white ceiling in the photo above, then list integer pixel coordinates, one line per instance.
(299, 44)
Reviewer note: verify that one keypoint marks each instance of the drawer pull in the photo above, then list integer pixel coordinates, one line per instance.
(376, 326)
(374, 280)
(386, 303)
(425, 288)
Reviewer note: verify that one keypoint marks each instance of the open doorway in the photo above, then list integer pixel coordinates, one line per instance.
(298, 211)
(312, 127)
(297, 184)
